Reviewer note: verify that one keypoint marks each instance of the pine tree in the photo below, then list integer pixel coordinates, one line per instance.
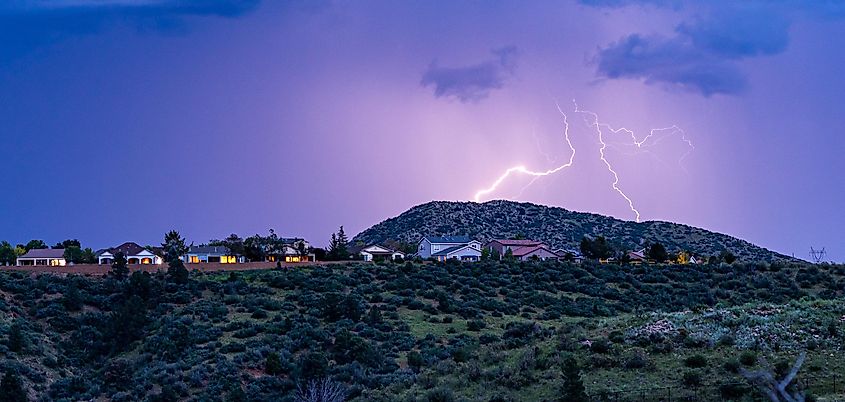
(72, 298)
(17, 338)
(11, 388)
(339, 246)
(174, 246)
(658, 253)
(177, 272)
(119, 267)
(273, 365)
(573, 388)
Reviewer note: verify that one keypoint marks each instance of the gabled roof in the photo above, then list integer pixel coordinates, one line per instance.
(378, 248)
(129, 249)
(563, 252)
(508, 242)
(450, 250)
(219, 250)
(448, 239)
(519, 252)
(44, 253)
(636, 255)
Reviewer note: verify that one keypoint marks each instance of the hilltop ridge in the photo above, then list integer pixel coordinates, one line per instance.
(559, 227)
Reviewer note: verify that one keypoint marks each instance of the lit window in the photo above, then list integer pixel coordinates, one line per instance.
(195, 259)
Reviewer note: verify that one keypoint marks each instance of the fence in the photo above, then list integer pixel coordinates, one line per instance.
(829, 387)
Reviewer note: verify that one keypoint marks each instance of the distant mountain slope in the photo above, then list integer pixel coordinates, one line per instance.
(558, 227)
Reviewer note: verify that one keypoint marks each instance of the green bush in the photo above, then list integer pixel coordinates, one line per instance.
(476, 325)
(732, 366)
(695, 361)
(692, 379)
(748, 358)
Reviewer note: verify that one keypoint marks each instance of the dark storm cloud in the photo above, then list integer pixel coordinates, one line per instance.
(672, 61)
(703, 54)
(472, 83)
(739, 33)
(25, 26)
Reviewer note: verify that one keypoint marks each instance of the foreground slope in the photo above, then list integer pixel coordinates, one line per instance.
(414, 332)
(559, 227)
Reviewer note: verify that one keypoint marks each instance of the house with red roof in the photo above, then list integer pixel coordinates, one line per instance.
(522, 250)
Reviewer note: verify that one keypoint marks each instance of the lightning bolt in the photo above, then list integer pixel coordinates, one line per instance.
(615, 184)
(641, 144)
(655, 137)
(536, 174)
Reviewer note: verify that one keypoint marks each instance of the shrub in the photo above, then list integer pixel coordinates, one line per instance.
(616, 337)
(476, 325)
(636, 359)
(748, 358)
(692, 379)
(273, 364)
(727, 340)
(11, 388)
(732, 390)
(440, 395)
(731, 366)
(600, 346)
(695, 361)
(415, 361)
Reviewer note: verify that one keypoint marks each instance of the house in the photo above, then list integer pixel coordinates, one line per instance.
(377, 252)
(636, 257)
(219, 254)
(134, 253)
(569, 255)
(43, 256)
(538, 252)
(501, 246)
(291, 249)
(449, 247)
(522, 250)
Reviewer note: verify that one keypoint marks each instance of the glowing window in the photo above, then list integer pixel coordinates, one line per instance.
(195, 259)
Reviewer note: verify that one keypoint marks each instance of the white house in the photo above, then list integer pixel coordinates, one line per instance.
(43, 256)
(376, 251)
(134, 253)
(448, 247)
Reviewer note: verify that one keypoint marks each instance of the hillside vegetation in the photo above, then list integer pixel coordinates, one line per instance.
(416, 332)
(558, 227)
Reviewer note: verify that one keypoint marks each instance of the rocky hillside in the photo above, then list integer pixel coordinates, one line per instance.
(558, 227)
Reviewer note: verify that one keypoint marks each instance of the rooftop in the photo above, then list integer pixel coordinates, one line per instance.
(448, 239)
(44, 253)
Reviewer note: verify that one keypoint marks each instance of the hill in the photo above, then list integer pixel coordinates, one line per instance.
(558, 227)
(487, 331)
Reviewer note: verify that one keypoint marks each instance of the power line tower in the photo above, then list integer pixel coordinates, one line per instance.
(817, 255)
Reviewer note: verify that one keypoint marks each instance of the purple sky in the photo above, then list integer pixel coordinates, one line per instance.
(122, 119)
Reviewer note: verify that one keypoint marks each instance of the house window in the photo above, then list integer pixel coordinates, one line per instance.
(228, 259)
(195, 259)
(146, 261)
